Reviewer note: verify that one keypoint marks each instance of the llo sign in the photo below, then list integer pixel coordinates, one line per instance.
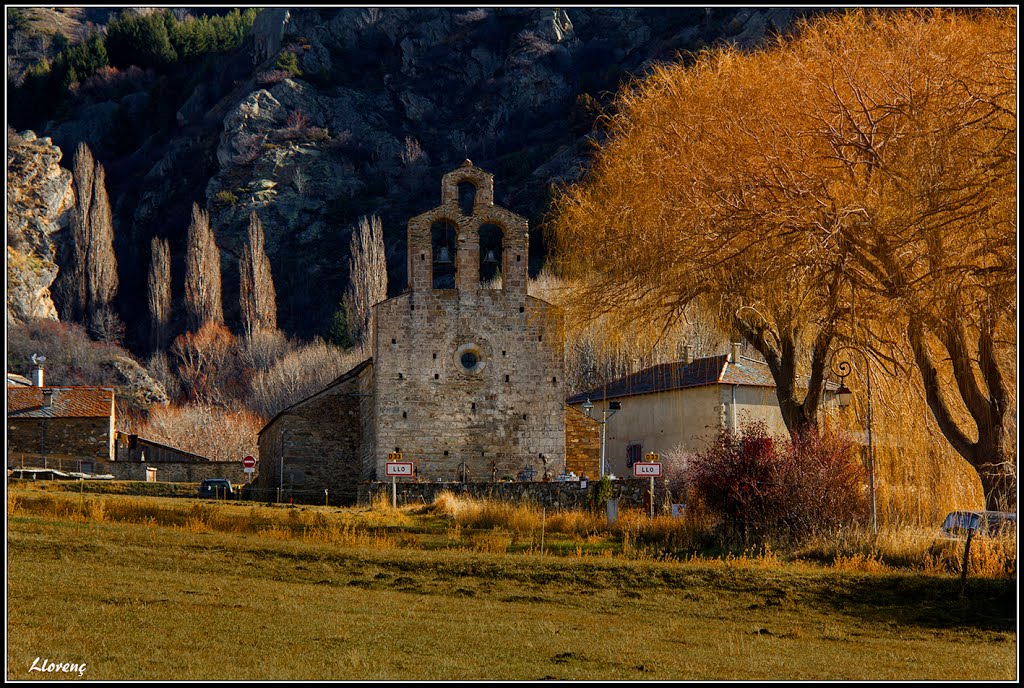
(395, 469)
(647, 469)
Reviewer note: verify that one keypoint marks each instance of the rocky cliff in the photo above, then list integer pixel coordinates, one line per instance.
(326, 115)
(39, 199)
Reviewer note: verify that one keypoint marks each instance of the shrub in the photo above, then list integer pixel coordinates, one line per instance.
(300, 373)
(599, 496)
(271, 77)
(216, 433)
(288, 61)
(774, 489)
(226, 198)
(207, 362)
(71, 357)
(298, 120)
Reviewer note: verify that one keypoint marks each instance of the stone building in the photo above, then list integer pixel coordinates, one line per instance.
(69, 428)
(466, 378)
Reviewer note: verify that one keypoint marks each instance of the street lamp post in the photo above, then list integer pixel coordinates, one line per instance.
(842, 368)
(607, 412)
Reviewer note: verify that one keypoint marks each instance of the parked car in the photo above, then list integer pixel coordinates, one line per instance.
(983, 523)
(216, 488)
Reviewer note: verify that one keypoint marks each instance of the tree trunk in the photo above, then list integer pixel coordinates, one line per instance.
(799, 415)
(989, 455)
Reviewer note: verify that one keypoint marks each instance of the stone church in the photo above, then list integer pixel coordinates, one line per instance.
(466, 378)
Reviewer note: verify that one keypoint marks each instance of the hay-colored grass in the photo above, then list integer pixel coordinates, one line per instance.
(145, 602)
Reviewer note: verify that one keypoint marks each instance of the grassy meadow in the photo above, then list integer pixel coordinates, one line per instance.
(168, 588)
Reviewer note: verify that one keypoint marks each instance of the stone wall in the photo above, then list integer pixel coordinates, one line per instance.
(60, 438)
(582, 443)
(166, 471)
(552, 495)
(504, 410)
(317, 443)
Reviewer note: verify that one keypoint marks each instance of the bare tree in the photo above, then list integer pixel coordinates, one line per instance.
(368, 278)
(206, 363)
(256, 284)
(101, 283)
(90, 283)
(202, 273)
(159, 293)
(106, 326)
(83, 167)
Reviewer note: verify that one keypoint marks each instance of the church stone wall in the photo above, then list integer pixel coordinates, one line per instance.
(495, 416)
(318, 444)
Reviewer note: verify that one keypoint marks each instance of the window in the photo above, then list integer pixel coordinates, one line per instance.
(634, 453)
(469, 358)
(467, 197)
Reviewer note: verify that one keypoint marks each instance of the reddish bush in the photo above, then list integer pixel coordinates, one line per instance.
(271, 77)
(207, 363)
(216, 433)
(772, 488)
(298, 120)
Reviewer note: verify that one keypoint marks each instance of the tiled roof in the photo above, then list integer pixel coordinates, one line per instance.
(67, 402)
(669, 376)
(18, 380)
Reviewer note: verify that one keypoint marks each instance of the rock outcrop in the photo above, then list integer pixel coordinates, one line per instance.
(376, 104)
(39, 200)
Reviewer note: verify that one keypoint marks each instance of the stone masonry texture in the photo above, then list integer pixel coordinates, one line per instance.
(506, 412)
(466, 380)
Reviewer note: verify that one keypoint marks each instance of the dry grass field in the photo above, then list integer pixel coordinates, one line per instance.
(162, 588)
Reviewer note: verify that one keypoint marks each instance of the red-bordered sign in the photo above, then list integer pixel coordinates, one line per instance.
(646, 469)
(398, 469)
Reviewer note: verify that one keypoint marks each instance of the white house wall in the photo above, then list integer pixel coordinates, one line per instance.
(689, 418)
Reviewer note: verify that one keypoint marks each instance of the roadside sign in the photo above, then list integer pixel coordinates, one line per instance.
(643, 469)
(398, 468)
(249, 464)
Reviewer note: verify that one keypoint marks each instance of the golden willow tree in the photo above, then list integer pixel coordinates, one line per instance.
(853, 183)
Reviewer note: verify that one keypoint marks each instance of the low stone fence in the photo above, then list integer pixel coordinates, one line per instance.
(553, 495)
(166, 471)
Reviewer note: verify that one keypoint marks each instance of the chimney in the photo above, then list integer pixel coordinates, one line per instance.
(687, 354)
(735, 357)
(37, 369)
(47, 398)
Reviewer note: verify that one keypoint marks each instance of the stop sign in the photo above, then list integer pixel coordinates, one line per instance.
(249, 462)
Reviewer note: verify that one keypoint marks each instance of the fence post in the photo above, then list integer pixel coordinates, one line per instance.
(966, 562)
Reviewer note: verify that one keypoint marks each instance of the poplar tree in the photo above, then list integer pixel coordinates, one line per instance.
(203, 302)
(89, 284)
(256, 284)
(159, 283)
(368, 278)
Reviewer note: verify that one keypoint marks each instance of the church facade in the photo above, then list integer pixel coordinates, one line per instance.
(466, 379)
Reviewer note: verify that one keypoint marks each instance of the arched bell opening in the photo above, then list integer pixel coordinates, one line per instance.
(442, 247)
(467, 197)
(491, 247)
